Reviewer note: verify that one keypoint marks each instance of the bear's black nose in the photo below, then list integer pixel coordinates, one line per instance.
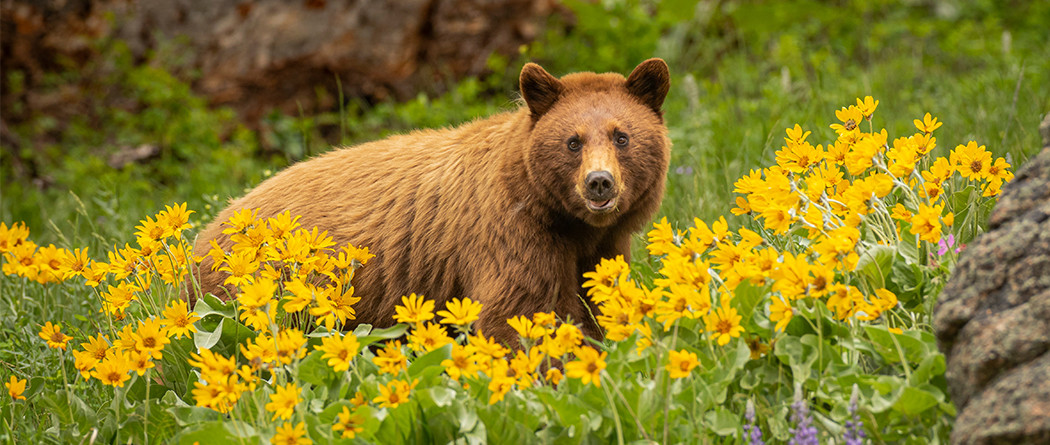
(600, 186)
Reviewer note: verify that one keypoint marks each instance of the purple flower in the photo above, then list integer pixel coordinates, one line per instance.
(854, 433)
(753, 434)
(804, 433)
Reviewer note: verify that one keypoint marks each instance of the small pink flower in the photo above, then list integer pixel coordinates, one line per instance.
(945, 246)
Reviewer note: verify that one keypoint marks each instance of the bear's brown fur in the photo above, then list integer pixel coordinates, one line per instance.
(509, 211)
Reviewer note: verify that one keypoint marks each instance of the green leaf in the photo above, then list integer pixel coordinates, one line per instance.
(914, 401)
(891, 346)
(222, 432)
(193, 415)
(875, 264)
(205, 339)
(314, 370)
(136, 392)
(748, 300)
(797, 354)
(392, 332)
(71, 410)
(362, 330)
(722, 422)
(429, 366)
(210, 304)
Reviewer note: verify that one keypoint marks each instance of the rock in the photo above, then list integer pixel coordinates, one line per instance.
(993, 319)
(254, 55)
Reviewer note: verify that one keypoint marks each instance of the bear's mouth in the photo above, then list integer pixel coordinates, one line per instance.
(601, 206)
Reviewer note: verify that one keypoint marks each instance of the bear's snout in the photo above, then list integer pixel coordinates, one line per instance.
(600, 191)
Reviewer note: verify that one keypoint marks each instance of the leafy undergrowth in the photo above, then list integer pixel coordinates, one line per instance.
(810, 323)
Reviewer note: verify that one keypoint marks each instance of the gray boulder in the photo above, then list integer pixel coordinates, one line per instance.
(993, 319)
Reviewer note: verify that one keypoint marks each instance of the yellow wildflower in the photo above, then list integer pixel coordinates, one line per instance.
(850, 117)
(927, 222)
(526, 328)
(283, 402)
(681, 363)
(427, 337)
(112, 371)
(460, 312)
(54, 337)
(393, 394)
(339, 350)
(289, 435)
(971, 161)
(461, 363)
(348, 423)
(414, 309)
(867, 106)
(725, 323)
(781, 312)
(390, 360)
(588, 365)
(15, 388)
(150, 338)
(927, 124)
(178, 319)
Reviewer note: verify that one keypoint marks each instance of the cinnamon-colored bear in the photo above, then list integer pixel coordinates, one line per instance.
(509, 211)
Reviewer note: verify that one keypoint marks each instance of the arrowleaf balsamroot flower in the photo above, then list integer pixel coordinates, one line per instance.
(781, 312)
(971, 161)
(414, 310)
(461, 363)
(150, 338)
(681, 363)
(339, 350)
(927, 222)
(54, 337)
(349, 423)
(460, 312)
(927, 124)
(390, 360)
(113, 371)
(395, 393)
(15, 388)
(283, 402)
(289, 435)
(526, 328)
(588, 365)
(178, 319)
(427, 337)
(725, 323)
(867, 106)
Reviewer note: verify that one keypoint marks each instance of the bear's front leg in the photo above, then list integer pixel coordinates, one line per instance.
(505, 295)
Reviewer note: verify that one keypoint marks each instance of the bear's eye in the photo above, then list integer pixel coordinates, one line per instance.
(575, 144)
(621, 140)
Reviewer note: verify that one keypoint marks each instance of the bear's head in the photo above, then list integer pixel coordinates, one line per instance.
(598, 144)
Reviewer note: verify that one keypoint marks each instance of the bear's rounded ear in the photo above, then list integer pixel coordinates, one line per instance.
(539, 89)
(650, 82)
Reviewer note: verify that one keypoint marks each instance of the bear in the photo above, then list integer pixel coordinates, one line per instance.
(509, 210)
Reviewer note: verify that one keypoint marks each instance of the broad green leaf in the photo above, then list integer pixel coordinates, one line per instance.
(315, 370)
(392, 332)
(722, 422)
(914, 401)
(912, 346)
(748, 300)
(210, 304)
(428, 366)
(223, 432)
(875, 264)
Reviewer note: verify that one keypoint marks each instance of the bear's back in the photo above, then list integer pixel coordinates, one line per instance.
(408, 198)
